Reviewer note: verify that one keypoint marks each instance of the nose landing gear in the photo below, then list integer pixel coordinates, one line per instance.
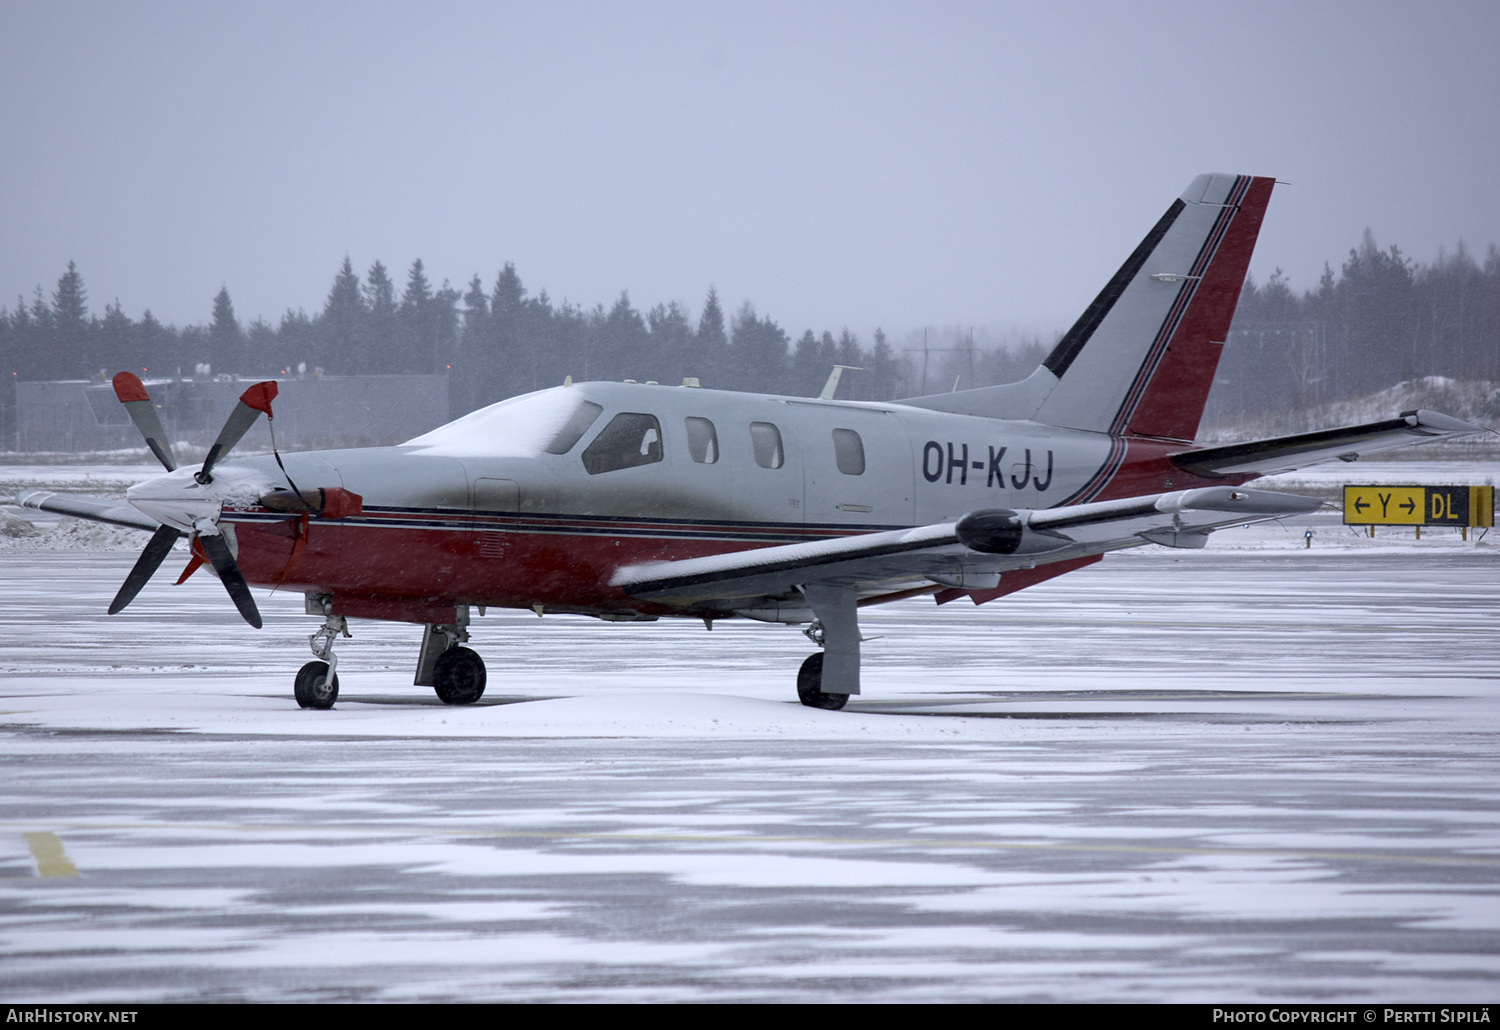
(317, 683)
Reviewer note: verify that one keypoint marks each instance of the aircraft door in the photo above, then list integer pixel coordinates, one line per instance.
(857, 469)
(770, 484)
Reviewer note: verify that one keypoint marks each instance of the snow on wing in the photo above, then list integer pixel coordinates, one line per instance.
(983, 543)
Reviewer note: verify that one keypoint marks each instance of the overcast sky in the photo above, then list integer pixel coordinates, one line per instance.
(860, 164)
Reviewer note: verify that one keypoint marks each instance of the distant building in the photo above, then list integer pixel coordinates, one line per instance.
(311, 412)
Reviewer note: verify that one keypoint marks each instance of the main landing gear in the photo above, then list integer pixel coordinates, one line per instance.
(835, 629)
(809, 686)
(455, 672)
(459, 676)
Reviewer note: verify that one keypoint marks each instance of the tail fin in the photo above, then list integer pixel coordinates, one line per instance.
(1141, 358)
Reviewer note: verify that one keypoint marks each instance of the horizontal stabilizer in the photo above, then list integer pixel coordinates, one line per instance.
(1284, 453)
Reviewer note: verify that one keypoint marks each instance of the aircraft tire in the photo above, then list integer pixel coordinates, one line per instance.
(313, 689)
(459, 676)
(809, 679)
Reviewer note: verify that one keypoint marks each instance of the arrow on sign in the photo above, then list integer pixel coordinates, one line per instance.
(1361, 504)
(1410, 506)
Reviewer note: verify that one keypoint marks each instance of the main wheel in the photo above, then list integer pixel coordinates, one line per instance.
(459, 676)
(314, 689)
(809, 686)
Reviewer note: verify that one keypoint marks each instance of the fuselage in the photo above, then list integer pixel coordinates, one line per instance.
(535, 501)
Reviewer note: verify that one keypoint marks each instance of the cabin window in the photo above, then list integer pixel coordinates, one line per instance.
(572, 430)
(766, 439)
(630, 439)
(849, 452)
(703, 441)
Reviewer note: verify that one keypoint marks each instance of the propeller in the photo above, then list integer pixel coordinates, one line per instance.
(150, 560)
(229, 573)
(182, 511)
(253, 401)
(132, 394)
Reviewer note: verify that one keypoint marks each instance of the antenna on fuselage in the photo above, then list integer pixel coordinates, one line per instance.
(833, 380)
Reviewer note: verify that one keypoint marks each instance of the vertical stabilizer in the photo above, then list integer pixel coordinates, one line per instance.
(1141, 358)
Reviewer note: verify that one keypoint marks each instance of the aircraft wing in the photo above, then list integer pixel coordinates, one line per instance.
(95, 509)
(1284, 453)
(963, 553)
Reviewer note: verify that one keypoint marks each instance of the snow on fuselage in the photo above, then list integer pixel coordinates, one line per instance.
(537, 499)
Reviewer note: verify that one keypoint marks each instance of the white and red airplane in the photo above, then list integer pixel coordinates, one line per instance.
(632, 502)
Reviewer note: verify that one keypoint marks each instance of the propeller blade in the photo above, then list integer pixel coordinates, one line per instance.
(253, 401)
(150, 560)
(229, 574)
(132, 394)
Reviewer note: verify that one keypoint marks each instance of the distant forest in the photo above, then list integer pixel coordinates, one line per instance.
(1382, 318)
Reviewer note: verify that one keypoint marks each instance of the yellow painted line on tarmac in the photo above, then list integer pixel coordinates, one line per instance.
(958, 843)
(51, 859)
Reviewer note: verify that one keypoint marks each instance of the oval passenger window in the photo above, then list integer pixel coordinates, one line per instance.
(766, 439)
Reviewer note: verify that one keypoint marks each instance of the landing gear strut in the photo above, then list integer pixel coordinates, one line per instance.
(454, 672)
(836, 630)
(317, 682)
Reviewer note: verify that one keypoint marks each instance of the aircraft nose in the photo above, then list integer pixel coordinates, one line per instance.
(174, 500)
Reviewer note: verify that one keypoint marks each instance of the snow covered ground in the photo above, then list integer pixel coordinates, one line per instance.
(1251, 773)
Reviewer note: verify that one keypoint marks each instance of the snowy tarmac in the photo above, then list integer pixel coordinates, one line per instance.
(1253, 773)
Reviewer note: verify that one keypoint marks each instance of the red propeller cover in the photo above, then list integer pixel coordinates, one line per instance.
(258, 396)
(128, 387)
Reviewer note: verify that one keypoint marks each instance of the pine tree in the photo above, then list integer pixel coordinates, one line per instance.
(263, 351)
(510, 351)
(20, 360)
(414, 320)
(622, 343)
(442, 333)
(72, 331)
(709, 357)
(808, 374)
(382, 325)
(759, 353)
(671, 339)
(1377, 302)
(884, 373)
(119, 343)
(297, 340)
(224, 338)
(158, 347)
(341, 337)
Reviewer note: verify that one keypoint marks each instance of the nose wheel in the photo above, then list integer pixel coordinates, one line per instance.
(317, 684)
(316, 688)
